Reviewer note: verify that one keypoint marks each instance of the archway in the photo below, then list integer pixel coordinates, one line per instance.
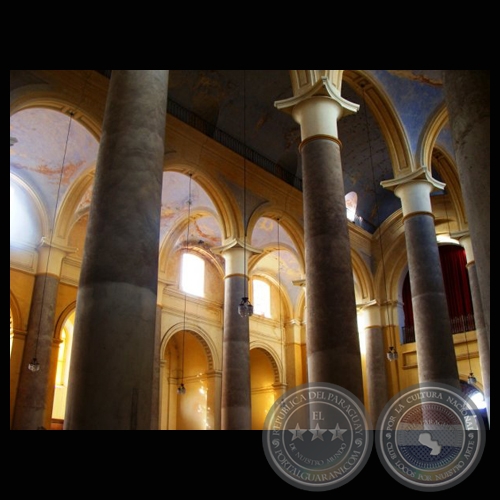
(186, 362)
(264, 380)
(65, 340)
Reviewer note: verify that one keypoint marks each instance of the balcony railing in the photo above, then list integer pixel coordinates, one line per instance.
(206, 128)
(459, 324)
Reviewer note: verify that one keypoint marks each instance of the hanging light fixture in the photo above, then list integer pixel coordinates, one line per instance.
(392, 355)
(245, 307)
(181, 390)
(472, 380)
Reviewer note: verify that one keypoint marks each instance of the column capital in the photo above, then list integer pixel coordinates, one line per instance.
(372, 314)
(318, 109)
(236, 254)
(323, 87)
(464, 239)
(50, 257)
(414, 191)
(235, 244)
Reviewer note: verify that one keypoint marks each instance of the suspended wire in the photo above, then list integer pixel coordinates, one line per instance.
(186, 251)
(279, 275)
(34, 364)
(245, 226)
(377, 206)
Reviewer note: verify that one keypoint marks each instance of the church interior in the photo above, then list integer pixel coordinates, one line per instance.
(287, 226)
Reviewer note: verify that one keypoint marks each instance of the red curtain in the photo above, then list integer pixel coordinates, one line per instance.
(456, 280)
(457, 287)
(407, 304)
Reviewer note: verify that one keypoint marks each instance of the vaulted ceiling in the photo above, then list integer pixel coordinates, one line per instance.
(240, 105)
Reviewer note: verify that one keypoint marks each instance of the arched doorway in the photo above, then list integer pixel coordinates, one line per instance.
(263, 386)
(65, 340)
(185, 362)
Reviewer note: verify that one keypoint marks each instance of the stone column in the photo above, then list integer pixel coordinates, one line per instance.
(482, 338)
(468, 99)
(112, 365)
(434, 341)
(155, 403)
(33, 389)
(295, 371)
(333, 349)
(236, 411)
(16, 358)
(214, 379)
(376, 362)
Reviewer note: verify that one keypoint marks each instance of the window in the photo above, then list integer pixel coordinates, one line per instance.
(261, 298)
(193, 275)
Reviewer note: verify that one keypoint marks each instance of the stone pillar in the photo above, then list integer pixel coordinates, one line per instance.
(236, 412)
(112, 365)
(468, 99)
(155, 403)
(33, 388)
(376, 362)
(18, 341)
(214, 379)
(333, 349)
(434, 341)
(295, 371)
(482, 338)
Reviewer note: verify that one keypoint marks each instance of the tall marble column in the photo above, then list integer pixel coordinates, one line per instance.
(333, 350)
(482, 337)
(30, 412)
(112, 364)
(376, 360)
(435, 349)
(468, 100)
(236, 411)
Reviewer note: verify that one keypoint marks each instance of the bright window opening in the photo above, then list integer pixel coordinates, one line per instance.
(351, 205)
(193, 275)
(261, 298)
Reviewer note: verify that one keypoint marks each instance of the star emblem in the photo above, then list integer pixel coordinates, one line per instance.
(297, 433)
(337, 433)
(317, 433)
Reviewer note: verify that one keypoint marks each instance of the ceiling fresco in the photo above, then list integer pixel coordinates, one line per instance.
(51, 151)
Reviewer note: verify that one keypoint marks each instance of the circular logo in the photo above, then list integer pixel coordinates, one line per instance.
(429, 437)
(317, 437)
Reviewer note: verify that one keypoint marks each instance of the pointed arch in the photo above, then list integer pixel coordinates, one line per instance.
(384, 112)
(430, 136)
(224, 203)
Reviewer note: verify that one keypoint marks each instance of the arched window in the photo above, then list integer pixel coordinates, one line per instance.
(193, 275)
(351, 205)
(261, 298)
